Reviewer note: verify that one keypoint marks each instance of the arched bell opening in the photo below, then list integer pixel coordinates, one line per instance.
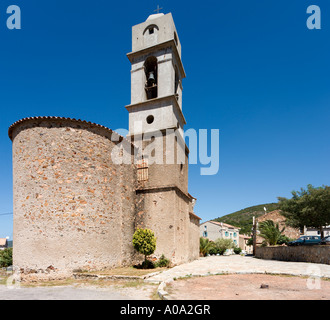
(150, 69)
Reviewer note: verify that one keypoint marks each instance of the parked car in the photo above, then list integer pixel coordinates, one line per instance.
(326, 240)
(305, 240)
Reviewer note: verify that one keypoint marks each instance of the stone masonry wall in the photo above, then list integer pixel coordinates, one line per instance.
(73, 208)
(156, 212)
(314, 254)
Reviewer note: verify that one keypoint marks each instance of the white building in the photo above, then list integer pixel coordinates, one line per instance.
(243, 243)
(3, 243)
(316, 232)
(214, 230)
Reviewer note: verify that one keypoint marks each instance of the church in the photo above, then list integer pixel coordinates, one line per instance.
(77, 204)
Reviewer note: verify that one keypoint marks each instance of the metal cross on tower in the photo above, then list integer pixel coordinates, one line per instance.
(158, 9)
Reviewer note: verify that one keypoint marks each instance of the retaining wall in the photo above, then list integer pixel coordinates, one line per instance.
(315, 254)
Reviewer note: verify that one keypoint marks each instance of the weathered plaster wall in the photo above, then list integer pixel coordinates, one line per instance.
(193, 252)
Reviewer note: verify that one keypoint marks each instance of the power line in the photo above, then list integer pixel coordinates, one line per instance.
(6, 214)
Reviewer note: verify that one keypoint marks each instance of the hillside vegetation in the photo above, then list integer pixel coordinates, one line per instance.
(243, 218)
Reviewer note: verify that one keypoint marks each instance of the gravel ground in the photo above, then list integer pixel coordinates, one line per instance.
(72, 292)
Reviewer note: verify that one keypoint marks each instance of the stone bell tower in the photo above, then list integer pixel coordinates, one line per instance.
(156, 75)
(156, 125)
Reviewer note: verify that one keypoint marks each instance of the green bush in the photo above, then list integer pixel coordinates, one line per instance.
(147, 264)
(223, 244)
(144, 241)
(249, 242)
(163, 262)
(6, 258)
(237, 250)
(283, 240)
(213, 249)
(204, 246)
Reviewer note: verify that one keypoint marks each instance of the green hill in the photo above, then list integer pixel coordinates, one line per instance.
(243, 218)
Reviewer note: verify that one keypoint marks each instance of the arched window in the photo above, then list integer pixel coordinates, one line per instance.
(151, 29)
(150, 69)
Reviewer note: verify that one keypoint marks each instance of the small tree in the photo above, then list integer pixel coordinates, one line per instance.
(270, 231)
(224, 244)
(249, 242)
(144, 241)
(310, 208)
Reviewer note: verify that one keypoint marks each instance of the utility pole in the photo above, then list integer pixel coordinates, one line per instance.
(254, 235)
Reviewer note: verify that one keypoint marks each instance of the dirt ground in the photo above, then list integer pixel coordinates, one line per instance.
(248, 287)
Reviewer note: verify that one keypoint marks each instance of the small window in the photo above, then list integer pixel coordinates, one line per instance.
(204, 234)
(226, 233)
(151, 30)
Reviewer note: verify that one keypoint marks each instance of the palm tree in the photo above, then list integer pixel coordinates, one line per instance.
(270, 232)
(205, 246)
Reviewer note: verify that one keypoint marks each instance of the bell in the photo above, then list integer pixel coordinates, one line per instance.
(151, 78)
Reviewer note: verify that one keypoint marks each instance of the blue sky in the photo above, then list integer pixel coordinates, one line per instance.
(254, 71)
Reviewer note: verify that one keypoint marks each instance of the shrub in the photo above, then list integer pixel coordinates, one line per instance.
(6, 258)
(163, 262)
(237, 250)
(204, 246)
(283, 240)
(147, 264)
(144, 242)
(223, 244)
(213, 249)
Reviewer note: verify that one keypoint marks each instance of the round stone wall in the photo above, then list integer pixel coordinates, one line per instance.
(73, 207)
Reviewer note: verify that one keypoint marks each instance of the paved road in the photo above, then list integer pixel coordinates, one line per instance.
(241, 265)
